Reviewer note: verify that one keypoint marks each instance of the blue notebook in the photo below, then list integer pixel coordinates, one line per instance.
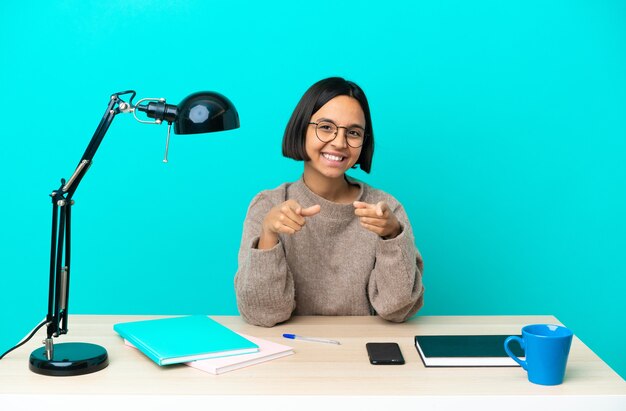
(183, 339)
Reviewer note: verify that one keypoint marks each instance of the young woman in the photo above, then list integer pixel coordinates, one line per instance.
(328, 244)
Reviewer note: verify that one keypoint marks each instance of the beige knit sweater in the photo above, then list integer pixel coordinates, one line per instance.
(333, 266)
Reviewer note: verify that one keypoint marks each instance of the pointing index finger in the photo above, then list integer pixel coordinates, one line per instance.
(310, 211)
(381, 207)
(363, 209)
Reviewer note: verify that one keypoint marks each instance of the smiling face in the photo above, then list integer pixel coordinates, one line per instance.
(332, 159)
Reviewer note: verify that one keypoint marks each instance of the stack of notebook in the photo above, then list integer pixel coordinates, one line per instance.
(199, 342)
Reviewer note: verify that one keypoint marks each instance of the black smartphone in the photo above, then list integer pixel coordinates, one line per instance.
(384, 353)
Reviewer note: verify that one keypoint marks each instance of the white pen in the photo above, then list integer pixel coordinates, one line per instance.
(311, 339)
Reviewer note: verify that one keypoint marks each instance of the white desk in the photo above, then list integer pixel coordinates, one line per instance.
(318, 374)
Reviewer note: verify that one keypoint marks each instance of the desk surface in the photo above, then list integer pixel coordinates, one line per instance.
(315, 369)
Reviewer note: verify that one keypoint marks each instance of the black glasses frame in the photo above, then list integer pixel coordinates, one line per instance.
(337, 133)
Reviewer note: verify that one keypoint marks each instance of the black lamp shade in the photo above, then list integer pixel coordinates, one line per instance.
(205, 112)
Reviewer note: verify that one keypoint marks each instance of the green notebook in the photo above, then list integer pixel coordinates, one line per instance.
(466, 351)
(183, 339)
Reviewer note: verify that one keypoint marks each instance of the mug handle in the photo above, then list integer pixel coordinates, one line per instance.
(508, 351)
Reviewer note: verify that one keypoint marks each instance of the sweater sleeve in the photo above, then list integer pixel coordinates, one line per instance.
(263, 284)
(395, 287)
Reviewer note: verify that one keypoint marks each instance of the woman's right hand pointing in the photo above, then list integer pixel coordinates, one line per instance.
(285, 218)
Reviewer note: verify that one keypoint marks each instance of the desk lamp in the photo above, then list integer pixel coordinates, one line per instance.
(202, 112)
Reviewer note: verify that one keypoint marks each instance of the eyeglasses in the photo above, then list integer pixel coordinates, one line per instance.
(326, 131)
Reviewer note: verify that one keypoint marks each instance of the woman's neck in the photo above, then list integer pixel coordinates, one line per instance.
(337, 190)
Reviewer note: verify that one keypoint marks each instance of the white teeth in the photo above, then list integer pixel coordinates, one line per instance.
(332, 157)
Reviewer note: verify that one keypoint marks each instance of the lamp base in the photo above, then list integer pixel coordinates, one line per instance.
(69, 359)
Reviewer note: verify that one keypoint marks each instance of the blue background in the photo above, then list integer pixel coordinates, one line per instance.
(501, 126)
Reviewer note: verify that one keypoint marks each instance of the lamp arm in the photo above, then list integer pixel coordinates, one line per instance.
(58, 291)
(116, 106)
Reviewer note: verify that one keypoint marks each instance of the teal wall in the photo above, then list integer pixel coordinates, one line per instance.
(500, 125)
